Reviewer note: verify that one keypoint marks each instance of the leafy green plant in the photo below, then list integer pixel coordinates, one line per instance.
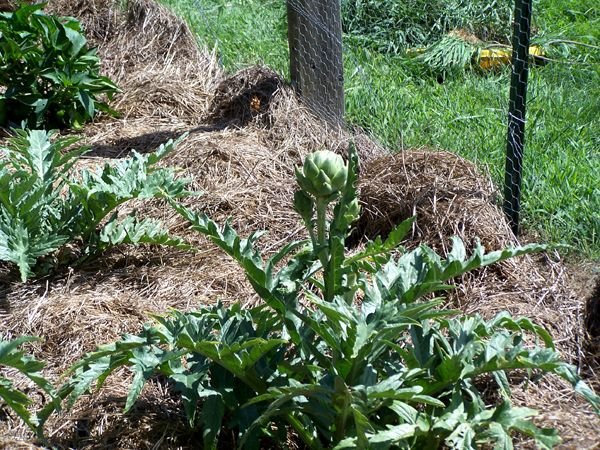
(45, 204)
(19, 402)
(447, 54)
(49, 74)
(347, 350)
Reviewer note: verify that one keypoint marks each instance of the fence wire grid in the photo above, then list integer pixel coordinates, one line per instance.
(319, 58)
(516, 112)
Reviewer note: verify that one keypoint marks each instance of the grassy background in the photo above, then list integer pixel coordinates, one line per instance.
(404, 106)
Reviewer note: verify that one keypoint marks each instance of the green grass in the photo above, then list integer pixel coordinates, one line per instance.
(245, 32)
(404, 107)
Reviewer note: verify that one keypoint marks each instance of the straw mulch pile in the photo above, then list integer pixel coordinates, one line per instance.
(246, 134)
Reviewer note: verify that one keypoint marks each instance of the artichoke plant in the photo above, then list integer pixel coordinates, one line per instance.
(323, 174)
(325, 178)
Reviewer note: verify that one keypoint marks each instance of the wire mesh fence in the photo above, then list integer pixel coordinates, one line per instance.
(516, 112)
(315, 45)
(316, 70)
(450, 75)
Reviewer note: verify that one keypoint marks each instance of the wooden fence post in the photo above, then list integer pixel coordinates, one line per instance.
(316, 67)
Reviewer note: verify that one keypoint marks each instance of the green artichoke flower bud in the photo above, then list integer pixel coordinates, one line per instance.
(323, 174)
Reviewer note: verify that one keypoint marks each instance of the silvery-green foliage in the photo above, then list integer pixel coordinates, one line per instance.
(45, 204)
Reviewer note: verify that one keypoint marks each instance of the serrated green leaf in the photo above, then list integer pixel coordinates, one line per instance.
(462, 437)
(135, 389)
(379, 251)
(132, 230)
(43, 205)
(393, 434)
(16, 400)
(500, 437)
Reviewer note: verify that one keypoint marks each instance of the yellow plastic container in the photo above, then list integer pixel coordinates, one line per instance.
(493, 58)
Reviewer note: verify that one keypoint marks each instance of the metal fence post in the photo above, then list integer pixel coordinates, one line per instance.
(316, 68)
(516, 113)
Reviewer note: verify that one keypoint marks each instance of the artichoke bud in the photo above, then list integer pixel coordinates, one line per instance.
(304, 205)
(339, 179)
(323, 173)
(323, 183)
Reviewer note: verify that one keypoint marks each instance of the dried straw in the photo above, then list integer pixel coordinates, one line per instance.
(240, 154)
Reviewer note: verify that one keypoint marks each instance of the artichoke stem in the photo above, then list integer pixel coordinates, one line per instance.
(311, 233)
(323, 253)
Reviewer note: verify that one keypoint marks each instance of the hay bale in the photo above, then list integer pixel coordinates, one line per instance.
(14, 444)
(100, 19)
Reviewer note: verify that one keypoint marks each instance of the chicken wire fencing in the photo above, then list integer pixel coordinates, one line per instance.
(516, 112)
(321, 58)
(315, 46)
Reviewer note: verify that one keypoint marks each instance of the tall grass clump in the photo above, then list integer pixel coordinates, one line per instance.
(244, 32)
(392, 26)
